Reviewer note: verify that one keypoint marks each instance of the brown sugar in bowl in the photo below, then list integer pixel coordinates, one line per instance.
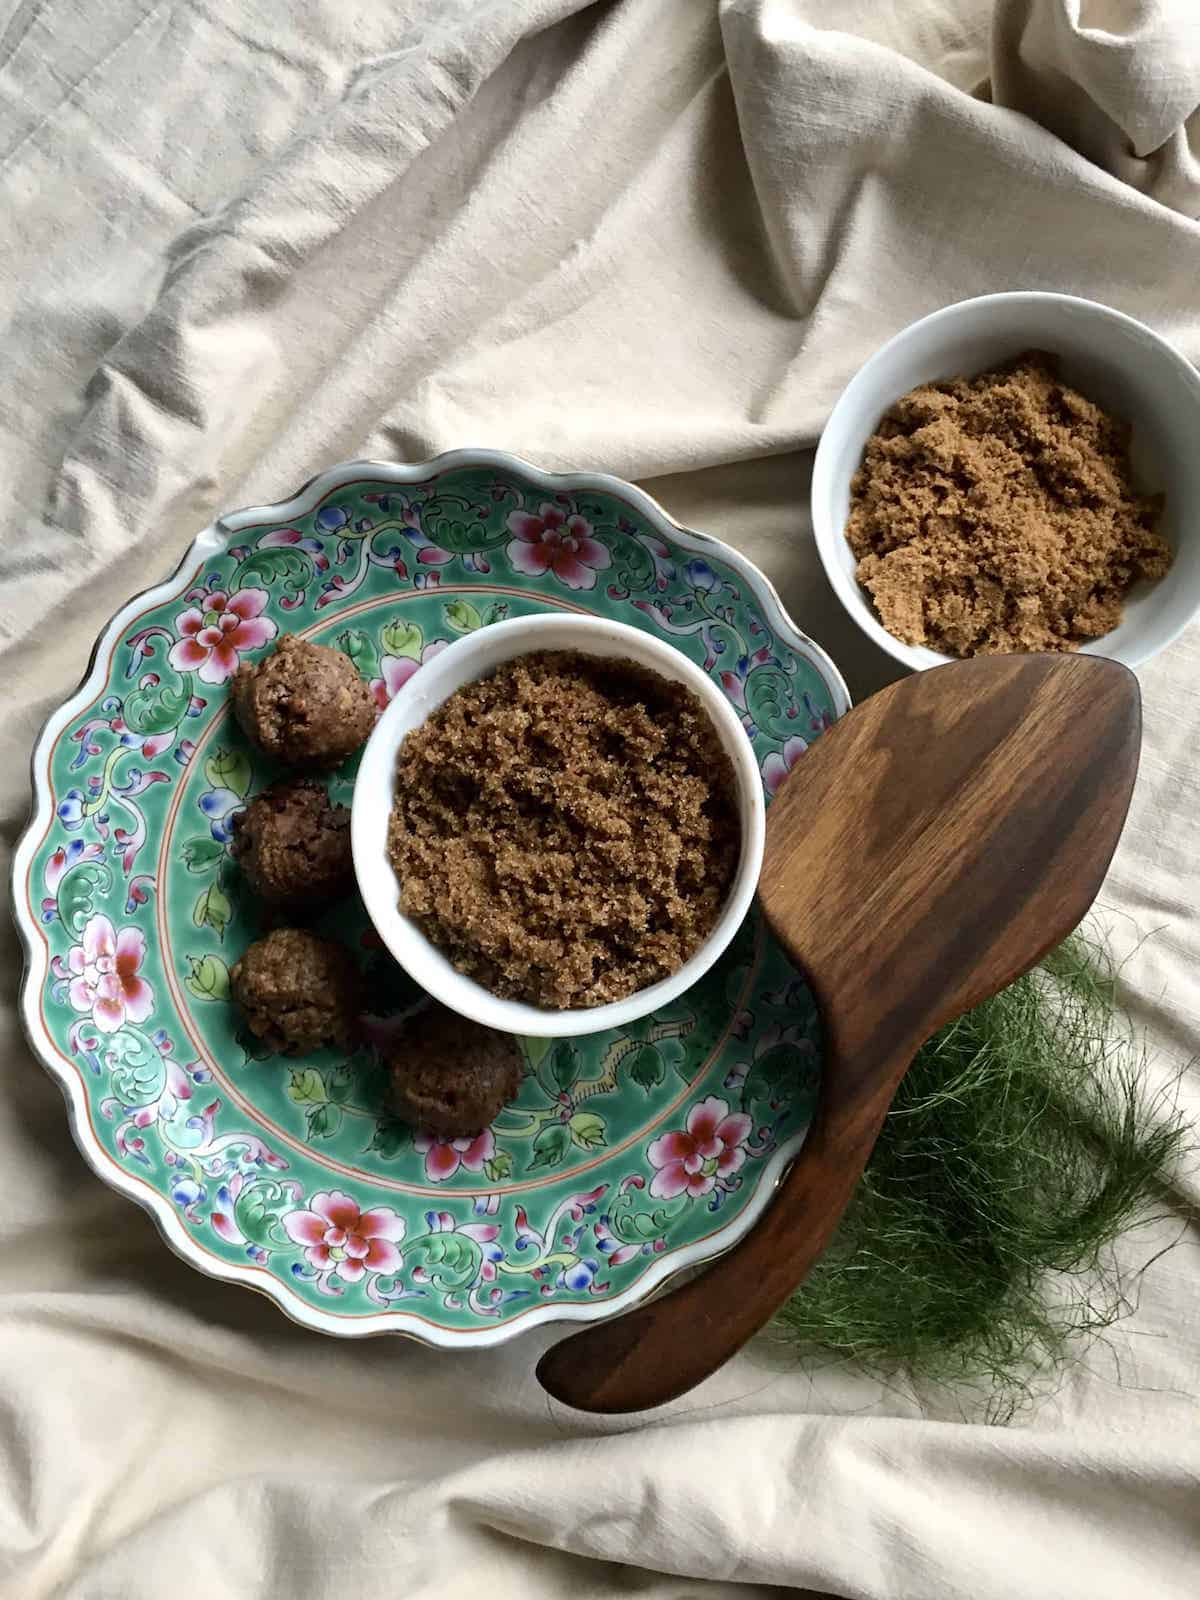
(1119, 364)
(475, 657)
(565, 829)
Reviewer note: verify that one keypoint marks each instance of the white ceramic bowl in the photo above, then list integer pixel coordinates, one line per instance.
(1114, 360)
(463, 662)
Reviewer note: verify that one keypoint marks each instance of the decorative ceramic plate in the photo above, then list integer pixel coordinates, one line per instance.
(626, 1156)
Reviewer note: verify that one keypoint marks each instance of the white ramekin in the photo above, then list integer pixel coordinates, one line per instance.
(1114, 360)
(472, 657)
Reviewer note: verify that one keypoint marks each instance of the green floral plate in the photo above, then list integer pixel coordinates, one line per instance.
(626, 1156)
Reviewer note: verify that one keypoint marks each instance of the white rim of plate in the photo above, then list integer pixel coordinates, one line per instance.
(210, 542)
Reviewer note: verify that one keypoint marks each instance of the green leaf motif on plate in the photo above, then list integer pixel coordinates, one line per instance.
(79, 891)
(252, 1047)
(402, 639)
(450, 1259)
(769, 693)
(213, 910)
(456, 532)
(339, 1083)
(536, 1050)
(550, 1146)
(359, 647)
(324, 1121)
(156, 709)
(258, 1210)
(229, 769)
(776, 1072)
(306, 1087)
(462, 616)
(498, 1167)
(647, 1068)
(390, 1138)
(588, 1130)
(564, 1064)
(208, 978)
(288, 566)
(137, 1072)
(201, 854)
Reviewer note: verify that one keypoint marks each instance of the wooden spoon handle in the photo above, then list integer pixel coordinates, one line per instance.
(639, 1360)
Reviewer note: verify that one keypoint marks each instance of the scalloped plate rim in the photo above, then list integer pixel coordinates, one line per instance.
(210, 541)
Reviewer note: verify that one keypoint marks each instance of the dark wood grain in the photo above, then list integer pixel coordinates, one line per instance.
(933, 846)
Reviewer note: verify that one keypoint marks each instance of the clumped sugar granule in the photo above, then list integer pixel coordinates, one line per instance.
(565, 830)
(998, 514)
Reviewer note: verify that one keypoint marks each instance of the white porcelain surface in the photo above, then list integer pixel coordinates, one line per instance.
(1114, 360)
(473, 657)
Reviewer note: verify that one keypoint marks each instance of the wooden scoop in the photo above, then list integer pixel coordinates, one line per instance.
(933, 846)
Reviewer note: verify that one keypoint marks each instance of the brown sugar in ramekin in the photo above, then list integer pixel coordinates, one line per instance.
(566, 829)
(998, 514)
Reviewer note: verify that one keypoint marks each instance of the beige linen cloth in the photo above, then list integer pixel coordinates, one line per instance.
(241, 240)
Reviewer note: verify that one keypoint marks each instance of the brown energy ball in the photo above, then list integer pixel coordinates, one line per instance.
(452, 1076)
(298, 992)
(293, 844)
(304, 704)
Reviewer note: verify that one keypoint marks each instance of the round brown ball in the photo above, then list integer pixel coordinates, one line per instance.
(298, 992)
(452, 1076)
(304, 704)
(293, 845)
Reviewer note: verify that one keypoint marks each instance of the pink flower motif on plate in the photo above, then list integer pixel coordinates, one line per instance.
(397, 670)
(777, 766)
(338, 1237)
(443, 1157)
(710, 1147)
(553, 541)
(104, 975)
(211, 640)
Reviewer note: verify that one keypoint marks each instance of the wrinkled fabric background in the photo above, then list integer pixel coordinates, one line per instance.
(240, 241)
